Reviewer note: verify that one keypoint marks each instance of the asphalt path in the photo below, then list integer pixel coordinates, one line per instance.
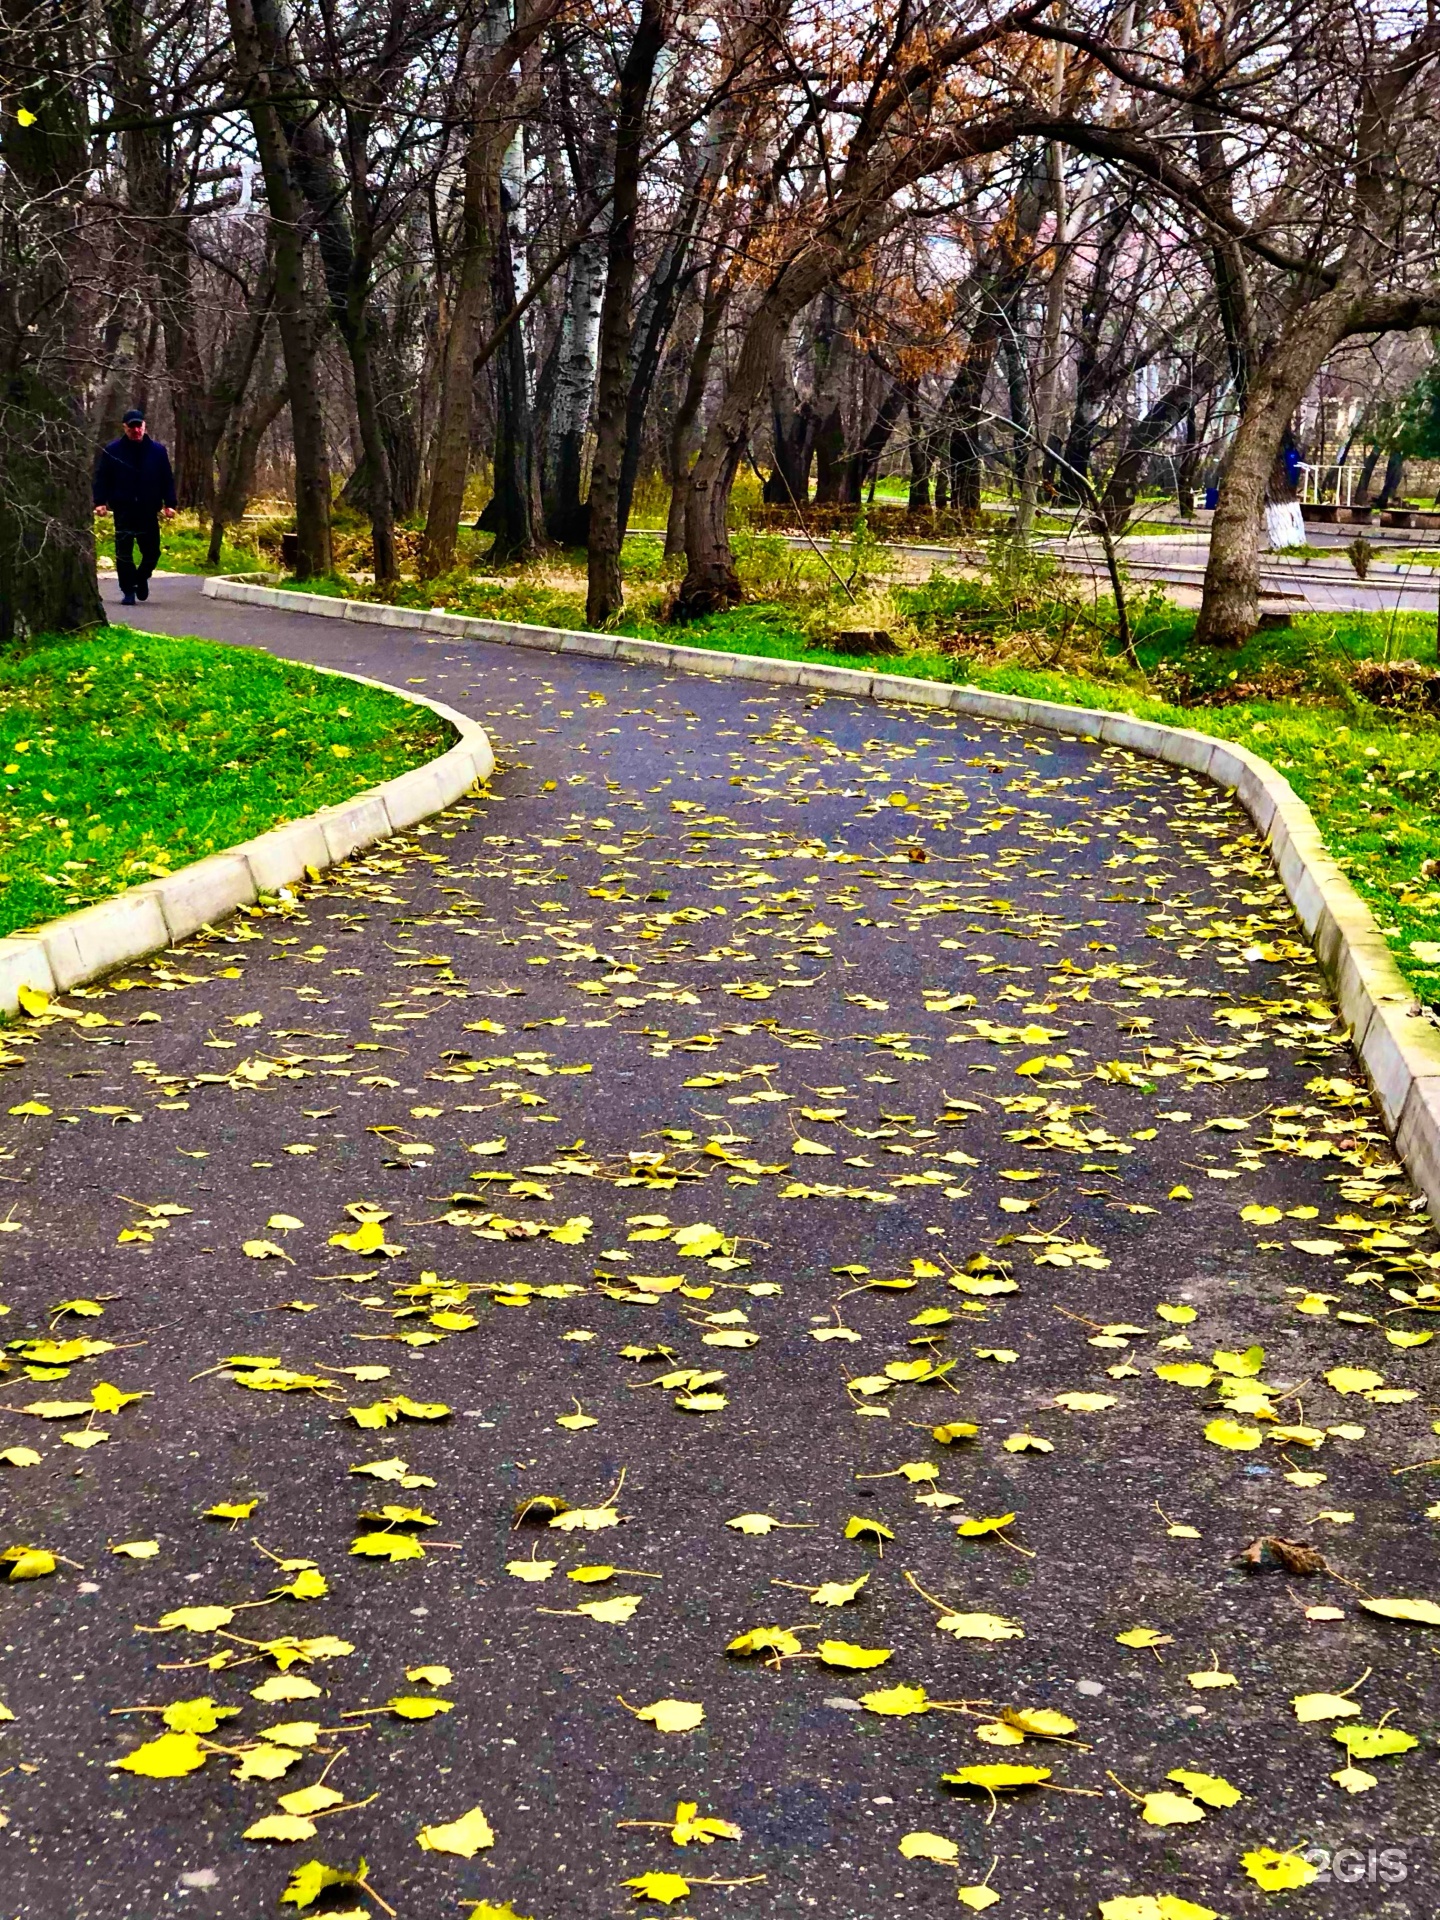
(757, 1083)
(1318, 585)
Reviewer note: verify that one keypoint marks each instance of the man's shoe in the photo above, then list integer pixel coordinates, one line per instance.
(142, 589)
(127, 599)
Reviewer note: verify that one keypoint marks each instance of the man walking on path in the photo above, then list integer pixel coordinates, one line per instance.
(134, 482)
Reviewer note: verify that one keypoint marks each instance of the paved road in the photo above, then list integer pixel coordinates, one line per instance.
(1321, 585)
(689, 1105)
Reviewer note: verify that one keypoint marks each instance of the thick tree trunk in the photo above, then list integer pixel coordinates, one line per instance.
(832, 365)
(1277, 383)
(711, 582)
(717, 299)
(514, 515)
(47, 539)
(792, 436)
(450, 447)
(605, 595)
(965, 403)
(574, 396)
(295, 317)
(340, 215)
(1367, 474)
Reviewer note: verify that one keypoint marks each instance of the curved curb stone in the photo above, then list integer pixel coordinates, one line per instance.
(1398, 1046)
(144, 919)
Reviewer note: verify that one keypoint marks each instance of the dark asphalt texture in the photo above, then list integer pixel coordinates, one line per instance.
(675, 881)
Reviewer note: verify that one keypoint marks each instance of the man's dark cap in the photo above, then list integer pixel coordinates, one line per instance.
(134, 418)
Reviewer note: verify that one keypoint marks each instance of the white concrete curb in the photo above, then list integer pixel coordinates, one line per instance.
(144, 919)
(1398, 1047)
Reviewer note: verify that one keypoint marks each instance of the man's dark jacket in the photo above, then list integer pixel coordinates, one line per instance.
(134, 480)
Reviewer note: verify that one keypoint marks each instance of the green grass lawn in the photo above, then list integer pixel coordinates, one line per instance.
(124, 755)
(185, 548)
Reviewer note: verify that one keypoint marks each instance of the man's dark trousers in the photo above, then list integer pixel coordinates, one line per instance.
(141, 532)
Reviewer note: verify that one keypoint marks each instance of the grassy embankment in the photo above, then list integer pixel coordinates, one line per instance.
(124, 755)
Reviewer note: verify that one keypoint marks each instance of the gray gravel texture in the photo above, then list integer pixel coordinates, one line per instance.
(687, 914)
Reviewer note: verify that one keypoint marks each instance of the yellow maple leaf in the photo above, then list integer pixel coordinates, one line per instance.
(844, 1653)
(666, 1888)
(1423, 1613)
(896, 1702)
(980, 1626)
(1000, 1776)
(691, 1824)
(930, 1846)
(1277, 1872)
(168, 1757)
(281, 1826)
(671, 1716)
(1169, 1810)
(467, 1836)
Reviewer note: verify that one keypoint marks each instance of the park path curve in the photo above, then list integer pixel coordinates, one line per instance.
(726, 1008)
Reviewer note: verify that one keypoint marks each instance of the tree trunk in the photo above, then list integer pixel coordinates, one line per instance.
(340, 215)
(1017, 381)
(864, 463)
(1172, 408)
(565, 517)
(717, 299)
(1047, 379)
(832, 360)
(239, 452)
(294, 314)
(450, 448)
(792, 436)
(223, 400)
(1367, 474)
(47, 540)
(1277, 383)
(1096, 371)
(662, 303)
(919, 500)
(514, 513)
(965, 404)
(47, 537)
(711, 582)
(1394, 476)
(1189, 462)
(605, 595)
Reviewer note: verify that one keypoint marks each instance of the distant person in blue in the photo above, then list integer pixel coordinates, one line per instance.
(134, 482)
